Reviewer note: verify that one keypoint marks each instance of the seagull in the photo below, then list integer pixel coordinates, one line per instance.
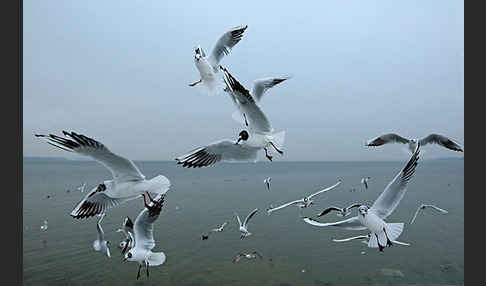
(220, 229)
(128, 182)
(127, 230)
(44, 226)
(251, 255)
(341, 212)
(143, 236)
(368, 236)
(373, 218)
(304, 202)
(244, 227)
(267, 182)
(204, 237)
(101, 244)
(260, 136)
(208, 65)
(81, 188)
(260, 86)
(364, 181)
(432, 138)
(423, 206)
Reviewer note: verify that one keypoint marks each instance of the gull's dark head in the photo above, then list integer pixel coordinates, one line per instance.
(198, 53)
(128, 256)
(243, 136)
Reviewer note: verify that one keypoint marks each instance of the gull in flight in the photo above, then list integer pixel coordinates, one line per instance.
(364, 181)
(423, 206)
(127, 230)
(305, 201)
(208, 65)
(128, 182)
(341, 212)
(81, 188)
(143, 235)
(251, 255)
(220, 229)
(44, 226)
(412, 143)
(244, 227)
(372, 218)
(101, 244)
(267, 182)
(260, 135)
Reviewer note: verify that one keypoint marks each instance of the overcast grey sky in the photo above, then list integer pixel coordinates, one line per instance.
(118, 71)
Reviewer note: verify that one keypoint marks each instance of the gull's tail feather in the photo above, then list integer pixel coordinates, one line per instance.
(394, 230)
(156, 258)
(161, 184)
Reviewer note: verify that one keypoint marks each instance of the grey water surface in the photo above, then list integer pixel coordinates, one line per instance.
(294, 253)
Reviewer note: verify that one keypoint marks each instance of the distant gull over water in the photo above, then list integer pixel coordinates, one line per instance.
(220, 229)
(101, 244)
(82, 187)
(128, 182)
(423, 206)
(244, 227)
(267, 182)
(412, 143)
(382, 233)
(144, 241)
(305, 201)
(341, 211)
(364, 181)
(208, 66)
(44, 226)
(250, 255)
(260, 136)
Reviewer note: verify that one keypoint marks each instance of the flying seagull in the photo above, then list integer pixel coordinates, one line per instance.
(260, 136)
(341, 212)
(143, 236)
(101, 244)
(208, 66)
(364, 181)
(267, 182)
(305, 201)
(220, 229)
(368, 236)
(373, 218)
(44, 226)
(251, 255)
(431, 139)
(128, 182)
(244, 227)
(423, 206)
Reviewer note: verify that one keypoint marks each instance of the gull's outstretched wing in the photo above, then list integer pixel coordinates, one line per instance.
(238, 218)
(329, 209)
(350, 223)
(441, 140)
(324, 190)
(388, 200)
(387, 138)
(128, 224)
(249, 216)
(258, 254)
(144, 224)
(352, 238)
(101, 234)
(224, 45)
(97, 202)
(271, 210)
(260, 86)
(437, 208)
(257, 120)
(416, 213)
(122, 169)
(223, 150)
(237, 258)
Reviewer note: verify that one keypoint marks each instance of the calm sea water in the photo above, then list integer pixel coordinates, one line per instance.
(294, 253)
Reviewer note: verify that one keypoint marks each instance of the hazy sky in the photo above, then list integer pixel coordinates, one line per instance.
(118, 71)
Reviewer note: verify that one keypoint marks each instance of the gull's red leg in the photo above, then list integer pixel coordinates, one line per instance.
(194, 84)
(279, 151)
(145, 201)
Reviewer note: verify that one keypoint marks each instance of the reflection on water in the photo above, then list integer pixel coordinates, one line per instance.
(294, 253)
